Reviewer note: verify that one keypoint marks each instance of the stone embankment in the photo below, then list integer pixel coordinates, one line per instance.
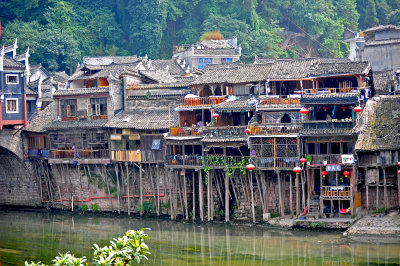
(376, 225)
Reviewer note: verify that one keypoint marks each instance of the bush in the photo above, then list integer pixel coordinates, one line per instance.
(123, 250)
(211, 35)
(95, 207)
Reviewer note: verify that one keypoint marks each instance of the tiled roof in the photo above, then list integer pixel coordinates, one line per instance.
(160, 76)
(380, 28)
(9, 62)
(216, 52)
(106, 70)
(326, 67)
(60, 76)
(81, 91)
(43, 118)
(331, 98)
(173, 67)
(241, 104)
(379, 127)
(382, 42)
(108, 60)
(220, 139)
(57, 125)
(151, 119)
(383, 80)
(159, 92)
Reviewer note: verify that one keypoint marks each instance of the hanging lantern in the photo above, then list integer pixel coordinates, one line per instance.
(304, 110)
(357, 109)
(398, 172)
(250, 167)
(398, 164)
(346, 173)
(324, 108)
(324, 173)
(297, 170)
(303, 160)
(215, 115)
(344, 108)
(247, 131)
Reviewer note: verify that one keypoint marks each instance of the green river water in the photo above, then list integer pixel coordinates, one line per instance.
(39, 236)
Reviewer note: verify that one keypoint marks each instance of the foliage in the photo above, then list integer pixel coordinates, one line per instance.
(379, 210)
(124, 250)
(230, 163)
(95, 207)
(83, 208)
(147, 207)
(211, 35)
(60, 32)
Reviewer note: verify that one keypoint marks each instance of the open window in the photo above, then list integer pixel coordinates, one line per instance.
(11, 105)
(11, 79)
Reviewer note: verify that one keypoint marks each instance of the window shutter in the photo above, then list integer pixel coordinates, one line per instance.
(89, 110)
(98, 109)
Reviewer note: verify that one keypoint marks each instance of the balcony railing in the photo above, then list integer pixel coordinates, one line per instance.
(184, 160)
(186, 131)
(202, 101)
(99, 117)
(279, 101)
(79, 154)
(219, 160)
(328, 127)
(328, 159)
(69, 118)
(284, 163)
(331, 90)
(126, 156)
(229, 131)
(276, 129)
(336, 191)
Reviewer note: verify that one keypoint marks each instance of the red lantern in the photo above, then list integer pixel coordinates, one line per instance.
(398, 172)
(357, 109)
(344, 108)
(250, 167)
(324, 173)
(304, 110)
(247, 131)
(303, 160)
(215, 115)
(346, 173)
(324, 108)
(297, 170)
(398, 164)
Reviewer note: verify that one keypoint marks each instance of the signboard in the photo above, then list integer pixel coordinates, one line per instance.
(115, 137)
(333, 167)
(347, 159)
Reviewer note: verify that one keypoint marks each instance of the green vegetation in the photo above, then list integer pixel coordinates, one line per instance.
(147, 207)
(123, 250)
(95, 207)
(379, 211)
(83, 208)
(60, 32)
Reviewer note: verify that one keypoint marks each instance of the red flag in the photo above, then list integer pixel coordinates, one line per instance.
(0, 29)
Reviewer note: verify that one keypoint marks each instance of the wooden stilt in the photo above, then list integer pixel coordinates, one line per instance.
(185, 196)
(367, 196)
(194, 197)
(290, 194)
(398, 185)
(226, 197)
(303, 192)
(127, 189)
(153, 188)
(297, 195)
(118, 188)
(158, 190)
(212, 195)
(252, 197)
(281, 207)
(201, 199)
(208, 197)
(141, 189)
(385, 196)
(260, 191)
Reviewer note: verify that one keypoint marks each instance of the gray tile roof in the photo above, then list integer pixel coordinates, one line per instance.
(382, 42)
(244, 103)
(43, 118)
(106, 70)
(80, 91)
(336, 67)
(381, 28)
(145, 119)
(60, 76)
(332, 98)
(159, 76)
(157, 91)
(379, 127)
(58, 125)
(108, 60)
(9, 62)
(173, 67)
(221, 139)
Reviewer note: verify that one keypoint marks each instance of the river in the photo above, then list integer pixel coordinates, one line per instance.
(39, 236)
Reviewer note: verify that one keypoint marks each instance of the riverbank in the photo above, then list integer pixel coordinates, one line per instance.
(378, 224)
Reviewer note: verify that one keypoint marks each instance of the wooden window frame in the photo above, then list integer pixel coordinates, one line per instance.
(16, 106)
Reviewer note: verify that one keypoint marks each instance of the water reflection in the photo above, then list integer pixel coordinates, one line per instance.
(40, 236)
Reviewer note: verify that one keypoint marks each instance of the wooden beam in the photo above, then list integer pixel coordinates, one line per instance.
(252, 197)
(194, 197)
(140, 189)
(297, 195)
(226, 196)
(201, 199)
(281, 207)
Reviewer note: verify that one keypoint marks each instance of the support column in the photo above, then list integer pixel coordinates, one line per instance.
(208, 196)
(194, 197)
(385, 196)
(140, 189)
(226, 196)
(281, 207)
(290, 194)
(297, 195)
(185, 195)
(201, 199)
(252, 197)
(127, 189)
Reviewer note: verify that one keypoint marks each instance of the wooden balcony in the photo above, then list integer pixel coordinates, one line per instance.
(184, 160)
(99, 117)
(336, 192)
(220, 161)
(279, 163)
(331, 90)
(79, 156)
(202, 101)
(275, 129)
(126, 156)
(186, 131)
(229, 131)
(69, 118)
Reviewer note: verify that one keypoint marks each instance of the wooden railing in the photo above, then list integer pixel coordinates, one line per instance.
(286, 163)
(226, 131)
(275, 129)
(79, 154)
(202, 101)
(186, 131)
(219, 160)
(98, 117)
(327, 127)
(326, 159)
(336, 191)
(126, 156)
(330, 90)
(69, 118)
(279, 101)
(184, 160)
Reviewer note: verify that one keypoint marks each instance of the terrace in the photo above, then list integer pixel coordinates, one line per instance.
(78, 156)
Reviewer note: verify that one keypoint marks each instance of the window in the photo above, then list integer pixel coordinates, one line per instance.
(203, 62)
(68, 108)
(99, 106)
(11, 79)
(11, 105)
(226, 60)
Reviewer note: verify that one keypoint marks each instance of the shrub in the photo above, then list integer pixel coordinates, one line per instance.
(211, 35)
